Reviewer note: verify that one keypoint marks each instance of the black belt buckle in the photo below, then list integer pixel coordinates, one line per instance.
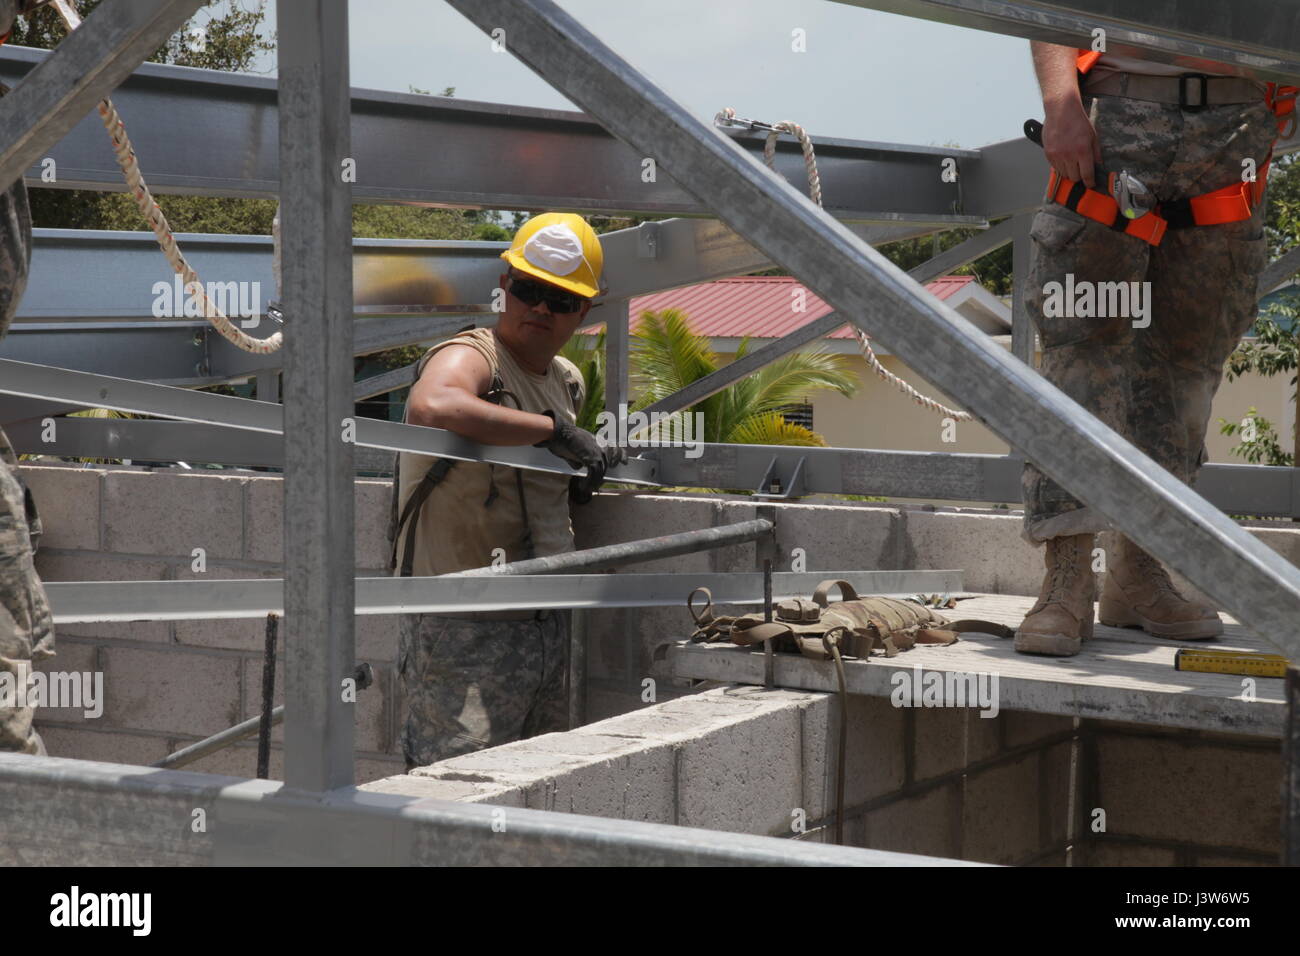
(1182, 92)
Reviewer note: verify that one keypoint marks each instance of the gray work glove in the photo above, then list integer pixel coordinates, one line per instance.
(581, 449)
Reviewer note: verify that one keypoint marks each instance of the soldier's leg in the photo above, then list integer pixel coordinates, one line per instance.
(26, 634)
(468, 684)
(1203, 286)
(1090, 358)
(550, 711)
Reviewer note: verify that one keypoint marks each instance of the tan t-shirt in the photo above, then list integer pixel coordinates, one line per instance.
(475, 509)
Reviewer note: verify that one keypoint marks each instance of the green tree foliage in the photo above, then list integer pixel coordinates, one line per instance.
(1274, 345)
(666, 356)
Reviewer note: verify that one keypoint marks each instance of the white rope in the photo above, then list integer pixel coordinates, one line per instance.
(158, 222)
(728, 117)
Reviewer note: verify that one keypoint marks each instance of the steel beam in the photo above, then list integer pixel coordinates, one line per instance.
(1279, 271)
(319, 530)
(617, 356)
(1235, 489)
(506, 156)
(90, 601)
(115, 39)
(1260, 35)
(85, 390)
(1022, 324)
(632, 552)
(77, 812)
(1105, 471)
(406, 291)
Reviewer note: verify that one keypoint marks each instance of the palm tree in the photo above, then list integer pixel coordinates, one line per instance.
(667, 356)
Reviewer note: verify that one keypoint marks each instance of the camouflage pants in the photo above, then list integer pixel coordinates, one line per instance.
(1153, 384)
(26, 632)
(471, 684)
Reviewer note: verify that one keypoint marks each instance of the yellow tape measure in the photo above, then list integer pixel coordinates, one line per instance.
(1230, 662)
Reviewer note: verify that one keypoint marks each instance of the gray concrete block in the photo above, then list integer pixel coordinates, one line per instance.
(938, 741)
(377, 637)
(924, 824)
(86, 743)
(1022, 728)
(71, 675)
(987, 548)
(238, 760)
(172, 690)
(876, 749)
(264, 503)
(407, 785)
(1000, 813)
(68, 502)
(613, 519)
(744, 777)
(171, 514)
(1054, 800)
(372, 503)
(242, 634)
(1225, 797)
(93, 566)
(836, 537)
(1105, 853)
(637, 785)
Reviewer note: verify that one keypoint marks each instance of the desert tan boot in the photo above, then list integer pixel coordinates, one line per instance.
(1138, 593)
(1062, 619)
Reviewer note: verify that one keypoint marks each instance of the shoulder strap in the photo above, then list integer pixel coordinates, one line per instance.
(415, 504)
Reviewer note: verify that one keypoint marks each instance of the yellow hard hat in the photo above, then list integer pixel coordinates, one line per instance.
(559, 248)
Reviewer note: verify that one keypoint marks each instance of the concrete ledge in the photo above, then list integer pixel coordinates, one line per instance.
(71, 812)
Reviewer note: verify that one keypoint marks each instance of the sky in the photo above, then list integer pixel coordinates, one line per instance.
(865, 75)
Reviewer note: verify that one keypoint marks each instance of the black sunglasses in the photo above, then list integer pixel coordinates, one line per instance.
(530, 292)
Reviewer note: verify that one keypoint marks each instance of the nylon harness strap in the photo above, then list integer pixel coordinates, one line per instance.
(1230, 204)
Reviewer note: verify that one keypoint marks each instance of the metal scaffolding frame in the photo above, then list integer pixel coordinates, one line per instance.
(316, 112)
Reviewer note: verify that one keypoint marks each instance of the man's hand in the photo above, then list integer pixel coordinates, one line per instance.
(581, 449)
(1069, 140)
(1070, 143)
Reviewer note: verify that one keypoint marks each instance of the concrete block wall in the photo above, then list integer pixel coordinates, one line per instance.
(1178, 797)
(944, 783)
(167, 684)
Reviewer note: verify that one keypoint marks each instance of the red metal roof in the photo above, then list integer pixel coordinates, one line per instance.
(761, 307)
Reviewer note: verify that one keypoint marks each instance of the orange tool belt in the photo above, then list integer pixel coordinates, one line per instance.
(1229, 204)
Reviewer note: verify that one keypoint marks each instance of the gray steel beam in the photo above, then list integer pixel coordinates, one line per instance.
(1022, 325)
(1105, 471)
(964, 253)
(76, 812)
(86, 67)
(86, 390)
(617, 356)
(90, 601)
(505, 156)
(1261, 35)
(631, 552)
(406, 291)
(1235, 489)
(384, 382)
(1279, 271)
(316, 258)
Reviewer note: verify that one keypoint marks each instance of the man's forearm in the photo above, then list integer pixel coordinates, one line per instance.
(481, 421)
(1057, 75)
